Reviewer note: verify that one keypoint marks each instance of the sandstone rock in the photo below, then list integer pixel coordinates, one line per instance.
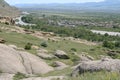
(61, 54)
(42, 51)
(84, 57)
(6, 76)
(46, 56)
(13, 46)
(34, 65)
(35, 47)
(59, 65)
(12, 61)
(46, 78)
(105, 64)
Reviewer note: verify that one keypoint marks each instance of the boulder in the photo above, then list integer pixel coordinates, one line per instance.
(33, 64)
(42, 53)
(13, 46)
(12, 62)
(84, 57)
(113, 53)
(46, 78)
(35, 47)
(46, 56)
(106, 64)
(61, 54)
(59, 65)
(6, 76)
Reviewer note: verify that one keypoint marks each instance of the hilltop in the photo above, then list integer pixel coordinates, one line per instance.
(8, 10)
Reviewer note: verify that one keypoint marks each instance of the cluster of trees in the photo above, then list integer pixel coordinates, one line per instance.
(76, 32)
(111, 44)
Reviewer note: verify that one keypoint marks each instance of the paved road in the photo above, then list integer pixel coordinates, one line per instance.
(104, 32)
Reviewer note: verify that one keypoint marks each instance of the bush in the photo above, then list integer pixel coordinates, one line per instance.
(109, 44)
(19, 76)
(28, 46)
(117, 44)
(44, 44)
(6, 23)
(73, 49)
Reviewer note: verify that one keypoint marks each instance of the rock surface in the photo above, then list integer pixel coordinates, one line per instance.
(46, 56)
(84, 57)
(59, 65)
(46, 78)
(42, 53)
(12, 61)
(6, 76)
(33, 64)
(61, 54)
(106, 64)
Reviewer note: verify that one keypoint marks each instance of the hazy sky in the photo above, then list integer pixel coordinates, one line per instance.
(49, 1)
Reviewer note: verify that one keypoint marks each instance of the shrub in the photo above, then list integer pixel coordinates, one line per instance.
(28, 46)
(108, 44)
(44, 44)
(117, 44)
(73, 49)
(19, 76)
(6, 23)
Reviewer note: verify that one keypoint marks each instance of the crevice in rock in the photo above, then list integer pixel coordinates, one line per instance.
(23, 62)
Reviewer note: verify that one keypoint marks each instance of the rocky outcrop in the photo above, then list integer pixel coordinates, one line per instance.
(106, 64)
(6, 76)
(42, 53)
(46, 78)
(61, 54)
(12, 61)
(33, 64)
(85, 57)
(46, 56)
(59, 65)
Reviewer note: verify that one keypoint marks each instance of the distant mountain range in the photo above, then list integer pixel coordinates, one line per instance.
(107, 5)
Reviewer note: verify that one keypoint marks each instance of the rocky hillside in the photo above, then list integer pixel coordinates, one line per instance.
(7, 10)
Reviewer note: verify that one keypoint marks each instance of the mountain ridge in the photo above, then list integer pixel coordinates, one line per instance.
(107, 5)
(8, 10)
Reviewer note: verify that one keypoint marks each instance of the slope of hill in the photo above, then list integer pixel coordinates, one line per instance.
(7, 10)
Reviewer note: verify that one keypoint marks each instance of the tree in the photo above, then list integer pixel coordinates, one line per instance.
(44, 44)
(28, 46)
(117, 44)
(108, 44)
